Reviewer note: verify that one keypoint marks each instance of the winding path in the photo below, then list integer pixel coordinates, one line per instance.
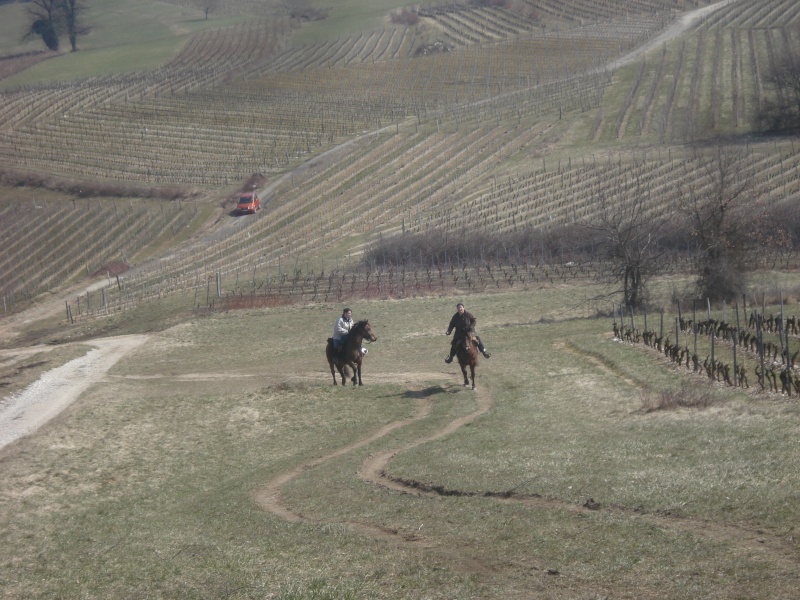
(373, 470)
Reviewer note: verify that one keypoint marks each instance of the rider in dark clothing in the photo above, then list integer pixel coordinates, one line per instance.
(463, 323)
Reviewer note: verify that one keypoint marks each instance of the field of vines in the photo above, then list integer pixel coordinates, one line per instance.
(589, 11)
(390, 185)
(238, 101)
(707, 83)
(49, 241)
(732, 345)
(455, 141)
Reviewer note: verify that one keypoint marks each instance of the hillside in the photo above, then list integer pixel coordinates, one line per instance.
(170, 427)
(494, 118)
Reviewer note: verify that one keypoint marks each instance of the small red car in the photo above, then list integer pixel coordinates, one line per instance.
(248, 203)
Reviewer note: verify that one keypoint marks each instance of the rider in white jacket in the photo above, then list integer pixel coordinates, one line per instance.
(342, 328)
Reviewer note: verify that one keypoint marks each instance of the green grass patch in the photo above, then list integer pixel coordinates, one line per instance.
(14, 22)
(124, 37)
(348, 18)
(147, 485)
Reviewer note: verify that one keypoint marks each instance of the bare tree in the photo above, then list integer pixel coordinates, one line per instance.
(51, 17)
(714, 206)
(207, 6)
(71, 11)
(45, 15)
(628, 227)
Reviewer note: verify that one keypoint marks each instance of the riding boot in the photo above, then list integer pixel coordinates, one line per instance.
(482, 348)
(449, 358)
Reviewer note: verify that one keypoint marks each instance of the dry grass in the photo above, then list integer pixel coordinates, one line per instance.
(688, 395)
(565, 487)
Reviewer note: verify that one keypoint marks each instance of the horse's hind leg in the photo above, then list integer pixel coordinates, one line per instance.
(333, 374)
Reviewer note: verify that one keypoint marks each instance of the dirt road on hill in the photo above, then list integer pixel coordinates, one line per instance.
(681, 25)
(23, 413)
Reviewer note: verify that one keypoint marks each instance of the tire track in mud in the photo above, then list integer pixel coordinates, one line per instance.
(782, 550)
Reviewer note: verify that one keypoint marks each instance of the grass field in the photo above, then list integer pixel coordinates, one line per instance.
(125, 37)
(219, 461)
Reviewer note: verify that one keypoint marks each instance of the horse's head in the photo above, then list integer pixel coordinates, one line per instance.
(365, 330)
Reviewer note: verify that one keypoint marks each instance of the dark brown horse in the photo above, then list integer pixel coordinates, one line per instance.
(467, 354)
(350, 355)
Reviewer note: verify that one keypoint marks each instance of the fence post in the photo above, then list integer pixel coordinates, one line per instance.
(760, 339)
(744, 307)
(677, 329)
(735, 343)
(713, 363)
(645, 317)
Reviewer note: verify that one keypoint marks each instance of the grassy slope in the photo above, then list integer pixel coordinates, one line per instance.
(146, 486)
(125, 37)
(348, 18)
(12, 27)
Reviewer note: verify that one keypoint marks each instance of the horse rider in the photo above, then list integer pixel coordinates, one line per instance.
(463, 323)
(340, 330)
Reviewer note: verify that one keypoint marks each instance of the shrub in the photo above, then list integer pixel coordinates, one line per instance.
(404, 17)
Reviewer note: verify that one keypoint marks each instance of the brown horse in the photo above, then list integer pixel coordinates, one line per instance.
(350, 355)
(467, 354)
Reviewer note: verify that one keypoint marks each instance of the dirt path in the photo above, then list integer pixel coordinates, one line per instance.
(373, 470)
(682, 24)
(25, 412)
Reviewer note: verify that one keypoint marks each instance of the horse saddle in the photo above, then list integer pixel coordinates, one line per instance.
(336, 351)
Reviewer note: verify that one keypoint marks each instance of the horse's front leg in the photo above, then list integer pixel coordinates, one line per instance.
(359, 374)
(333, 374)
(341, 368)
(472, 373)
(464, 373)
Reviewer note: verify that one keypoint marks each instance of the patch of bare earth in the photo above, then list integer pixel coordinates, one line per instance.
(24, 412)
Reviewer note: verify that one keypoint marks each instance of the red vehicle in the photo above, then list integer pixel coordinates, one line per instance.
(248, 203)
